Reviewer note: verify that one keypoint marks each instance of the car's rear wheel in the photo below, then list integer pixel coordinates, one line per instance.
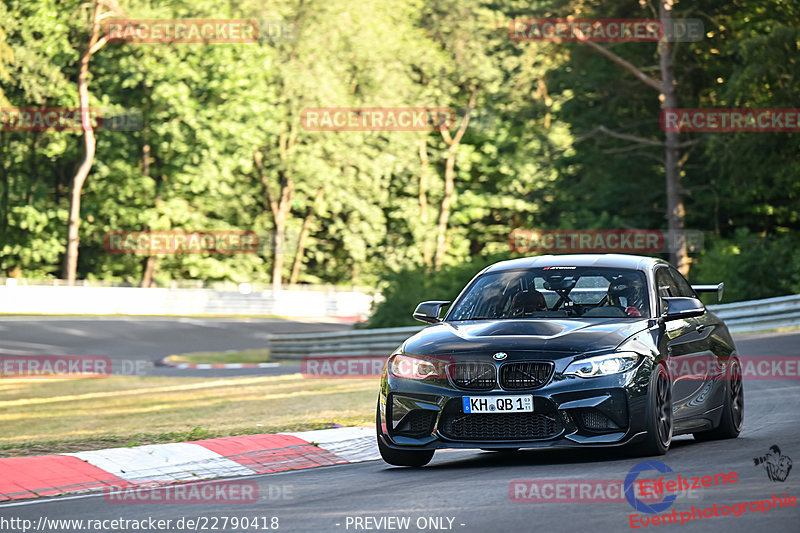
(659, 414)
(394, 457)
(732, 419)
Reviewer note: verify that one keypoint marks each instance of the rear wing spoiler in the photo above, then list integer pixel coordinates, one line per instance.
(710, 288)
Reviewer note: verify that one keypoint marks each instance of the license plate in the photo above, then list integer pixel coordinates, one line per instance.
(498, 404)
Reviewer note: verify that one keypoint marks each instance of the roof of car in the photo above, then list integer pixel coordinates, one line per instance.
(636, 262)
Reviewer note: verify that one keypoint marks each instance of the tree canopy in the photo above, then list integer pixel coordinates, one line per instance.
(222, 145)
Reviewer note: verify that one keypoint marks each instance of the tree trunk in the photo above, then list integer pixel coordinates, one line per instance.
(672, 168)
(444, 210)
(6, 183)
(278, 207)
(148, 271)
(151, 261)
(301, 241)
(423, 200)
(449, 182)
(281, 217)
(73, 223)
(277, 253)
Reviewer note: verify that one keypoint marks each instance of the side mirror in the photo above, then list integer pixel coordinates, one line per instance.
(710, 288)
(428, 312)
(681, 307)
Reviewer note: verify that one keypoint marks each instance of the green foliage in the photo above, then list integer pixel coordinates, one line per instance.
(751, 266)
(532, 156)
(407, 288)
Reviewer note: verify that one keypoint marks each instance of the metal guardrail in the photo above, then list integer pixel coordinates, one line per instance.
(757, 315)
(372, 342)
(222, 286)
(82, 300)
(740, 317)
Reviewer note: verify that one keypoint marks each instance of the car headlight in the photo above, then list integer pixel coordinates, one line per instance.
(603, 365)
(405, 366)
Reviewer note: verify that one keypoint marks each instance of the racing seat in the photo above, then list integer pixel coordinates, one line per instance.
(525, 302)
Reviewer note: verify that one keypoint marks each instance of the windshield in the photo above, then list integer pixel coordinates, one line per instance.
(555, 292)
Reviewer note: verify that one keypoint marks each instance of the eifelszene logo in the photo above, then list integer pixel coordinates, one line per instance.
(637, 503)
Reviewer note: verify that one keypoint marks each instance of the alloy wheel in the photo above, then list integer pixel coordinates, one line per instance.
(663, 408)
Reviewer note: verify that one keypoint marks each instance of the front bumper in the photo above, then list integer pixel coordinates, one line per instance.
(568, 412)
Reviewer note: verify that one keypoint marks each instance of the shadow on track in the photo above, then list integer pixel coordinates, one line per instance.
(544, 457)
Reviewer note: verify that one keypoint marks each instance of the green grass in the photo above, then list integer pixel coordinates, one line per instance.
(39, 416)
(232, 356)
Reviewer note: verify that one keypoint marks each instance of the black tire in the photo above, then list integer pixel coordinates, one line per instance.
(730, 424)
(659, 414)
(415, 458)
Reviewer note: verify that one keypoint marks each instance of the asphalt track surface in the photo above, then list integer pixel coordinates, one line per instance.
(134, 345)
(472, 487)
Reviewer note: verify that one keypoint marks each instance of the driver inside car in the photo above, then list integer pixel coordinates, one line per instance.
(627, 294)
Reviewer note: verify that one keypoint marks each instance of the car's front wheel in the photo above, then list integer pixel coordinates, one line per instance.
(400, 457)
(659, 414)
(733, 409)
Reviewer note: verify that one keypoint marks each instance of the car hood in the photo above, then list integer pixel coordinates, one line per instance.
(555, 337)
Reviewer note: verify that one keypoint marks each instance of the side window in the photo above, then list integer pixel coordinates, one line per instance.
(665, 286)
(683, 286)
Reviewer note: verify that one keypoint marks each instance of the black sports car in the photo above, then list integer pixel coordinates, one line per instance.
(560, 351)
